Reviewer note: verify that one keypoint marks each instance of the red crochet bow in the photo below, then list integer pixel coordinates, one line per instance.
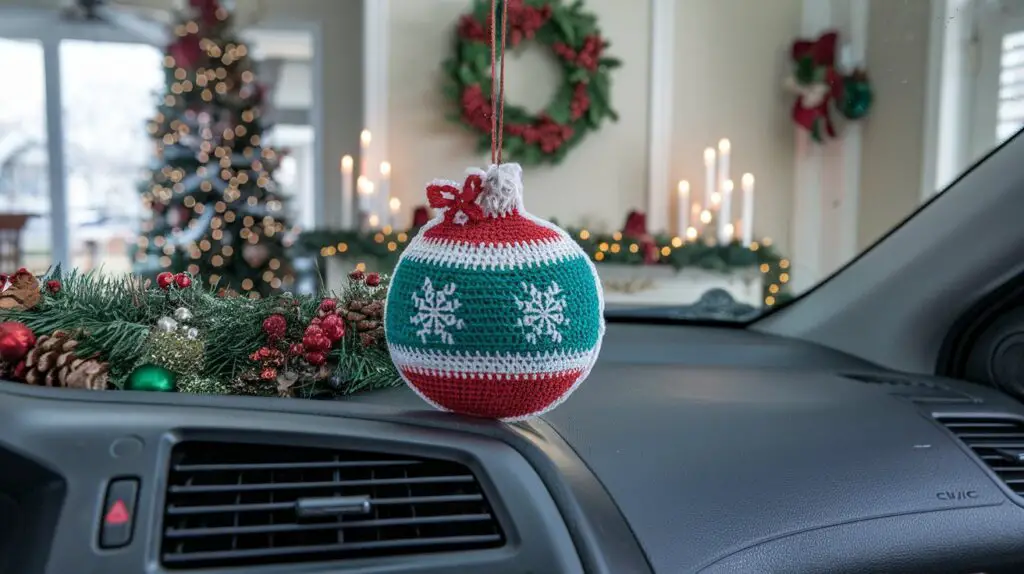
(459, 206)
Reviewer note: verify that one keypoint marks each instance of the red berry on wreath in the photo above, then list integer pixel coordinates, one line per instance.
(316, 359)
(182, 280)
(16, 340)
(268, 374)
(53, 286)
(316, 343)
(275, 326)
(333, 326)
(373, 279)
(356, 275)
(164, 280)
(328, 305)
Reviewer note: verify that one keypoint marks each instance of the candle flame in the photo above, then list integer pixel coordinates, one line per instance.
(728, 230)
(716, 199)
(374, 221)
(385, 168)
(361, 183)
(705, 217)
(365, 138)
(727, 186)
(724, 146)
(346, 163)
(709, 156)
(683, 187)
(395, 204)
(747, 181)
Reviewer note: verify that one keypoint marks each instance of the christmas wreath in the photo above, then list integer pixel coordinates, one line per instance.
(580, 104)
(95, 332)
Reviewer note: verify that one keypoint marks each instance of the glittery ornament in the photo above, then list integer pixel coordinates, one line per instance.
(334, 327)
(192, 333)
(275, 326)
(151, 378)
(182, 314)
(15, 341)
(174, 351)
(182, 280)
(165, 280)
(166, 324)
(204, 386)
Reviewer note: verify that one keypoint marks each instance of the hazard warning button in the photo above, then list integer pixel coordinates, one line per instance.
(119, 513)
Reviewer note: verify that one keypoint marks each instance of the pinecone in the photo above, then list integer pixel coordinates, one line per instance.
(52, 363)
(367, 317)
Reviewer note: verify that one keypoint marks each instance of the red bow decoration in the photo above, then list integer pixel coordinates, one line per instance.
(815, 62)
(459, 205)
(636, 228)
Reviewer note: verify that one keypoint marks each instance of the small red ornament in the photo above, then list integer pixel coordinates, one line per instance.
(316, 359)
(16, 339)
(356, 275)
(313, 331)
(317, 343)
(268, 374)
(182, 280)
(164, 280)
(275, 326)
(372, 279)
(53, 286)
(328, 305)
(334, 327)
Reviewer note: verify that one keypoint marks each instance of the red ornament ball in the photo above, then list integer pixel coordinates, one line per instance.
(182, 280)
(333, 326)
(53, 286)
(328, 305)
(16, 340)
(313, 330)
(275, 326)
(316, 359)
(165, 279)
(372, 279)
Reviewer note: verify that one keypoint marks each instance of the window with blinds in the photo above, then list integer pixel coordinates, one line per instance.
(1011, 86)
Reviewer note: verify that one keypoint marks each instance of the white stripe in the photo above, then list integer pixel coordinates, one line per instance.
(434, 362)
(493, 256)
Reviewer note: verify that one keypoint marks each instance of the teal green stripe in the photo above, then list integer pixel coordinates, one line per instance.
(488, 308)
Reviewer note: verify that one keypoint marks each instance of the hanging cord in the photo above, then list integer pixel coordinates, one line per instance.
(497, 80)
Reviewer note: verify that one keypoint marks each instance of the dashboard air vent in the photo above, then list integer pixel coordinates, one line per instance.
(240, 504)
(921, 390)
(999, 442)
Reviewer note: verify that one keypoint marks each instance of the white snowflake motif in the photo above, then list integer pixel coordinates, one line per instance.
(435, 312)
(543, 312)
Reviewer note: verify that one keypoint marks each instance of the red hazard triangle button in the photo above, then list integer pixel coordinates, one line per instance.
(118, 514)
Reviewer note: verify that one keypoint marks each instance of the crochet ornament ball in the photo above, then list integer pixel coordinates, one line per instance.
(491, 311)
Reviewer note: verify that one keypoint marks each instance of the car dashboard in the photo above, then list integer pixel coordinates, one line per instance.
(687, 450)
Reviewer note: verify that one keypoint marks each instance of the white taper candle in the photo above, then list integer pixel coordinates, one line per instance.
(747, 185)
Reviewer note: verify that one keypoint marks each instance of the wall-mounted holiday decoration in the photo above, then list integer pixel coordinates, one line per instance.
(823, 89)
(581, 104)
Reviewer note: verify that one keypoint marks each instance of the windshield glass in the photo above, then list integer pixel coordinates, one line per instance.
(713, 158)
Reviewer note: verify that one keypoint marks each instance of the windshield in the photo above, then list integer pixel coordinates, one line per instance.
(713, 158)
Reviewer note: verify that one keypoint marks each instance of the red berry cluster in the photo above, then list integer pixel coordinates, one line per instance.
(524, 20)
(476, 108)
(471, 29)
(587, 57)
(545, 132)
(370, 279)
(580, 101)
(53, 286)
(326, 329)
(167, 279)
(275, 327)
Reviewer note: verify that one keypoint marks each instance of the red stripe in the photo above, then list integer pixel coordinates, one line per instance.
(480, 396)
(512, 228)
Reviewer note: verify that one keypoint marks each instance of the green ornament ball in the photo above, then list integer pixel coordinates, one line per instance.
(151, 378)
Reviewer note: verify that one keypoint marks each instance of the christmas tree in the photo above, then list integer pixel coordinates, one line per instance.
(216, 209)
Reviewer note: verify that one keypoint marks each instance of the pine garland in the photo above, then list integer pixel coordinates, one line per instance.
(115, 319)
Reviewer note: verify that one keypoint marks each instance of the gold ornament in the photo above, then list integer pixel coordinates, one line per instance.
(175, 351)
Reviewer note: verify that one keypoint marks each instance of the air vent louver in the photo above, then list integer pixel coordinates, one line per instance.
(999, 442)
(235, 504)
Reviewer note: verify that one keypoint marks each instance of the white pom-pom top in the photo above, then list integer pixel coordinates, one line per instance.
(502, 189)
